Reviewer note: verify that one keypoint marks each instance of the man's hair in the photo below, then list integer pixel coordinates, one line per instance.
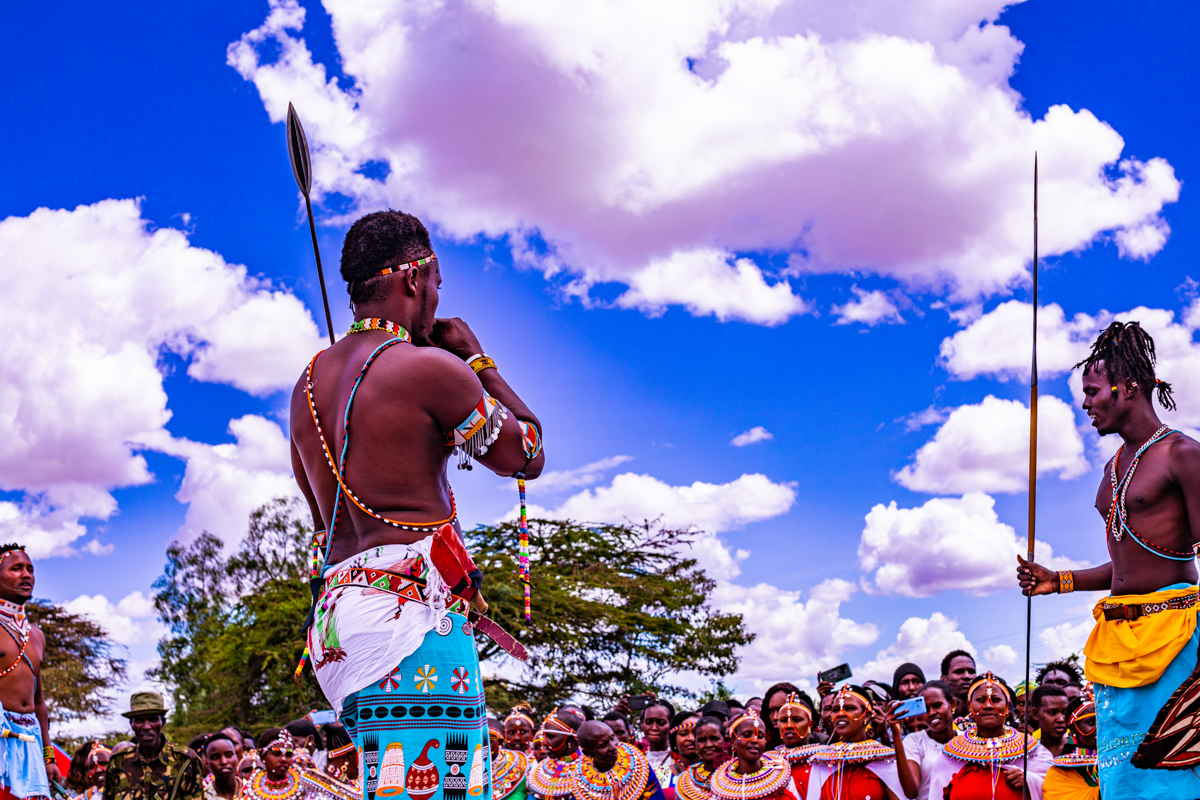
(299, 728)
(216, 737)
(1070, 669)
(1128, 352)
(377, 241)
(953, 654)
(735, 703)
(1042, 692)
(613, 716)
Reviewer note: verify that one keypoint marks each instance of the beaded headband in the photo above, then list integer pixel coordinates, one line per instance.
(98, 749)
(420, 262)
(847, 691)
(553, 723)
(284, 741)
(989, 679)
(685, 726)
(341, 751)
(1087, 710)
(751, 716)
(793, 701)
(520, 715)
(20, 548)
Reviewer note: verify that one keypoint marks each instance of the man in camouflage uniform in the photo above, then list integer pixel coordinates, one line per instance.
(155, 769)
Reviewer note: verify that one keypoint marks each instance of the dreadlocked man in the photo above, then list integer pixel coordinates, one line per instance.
(1144, 645)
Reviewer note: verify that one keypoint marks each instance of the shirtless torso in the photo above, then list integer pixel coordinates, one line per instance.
(409, 399)
(1162, 501)
(21, 661)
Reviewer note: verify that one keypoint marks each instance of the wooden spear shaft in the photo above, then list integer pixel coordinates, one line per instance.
(1033, 409)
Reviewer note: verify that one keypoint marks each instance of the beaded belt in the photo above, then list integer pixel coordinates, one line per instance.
(1133, 611)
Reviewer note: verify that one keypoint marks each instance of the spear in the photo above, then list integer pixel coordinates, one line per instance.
(302, 171)
(1033, 408)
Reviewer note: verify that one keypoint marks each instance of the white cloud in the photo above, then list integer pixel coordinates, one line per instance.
(924, 642)
(653, 144)
(998, 657)
(1066, 638)
(706, 506)
(79, 396)
(223, 483)
(919, 419)
(756, 434)
(869, 308)
(586, 475)
(131, 621)
(943, 545)
(985, 448)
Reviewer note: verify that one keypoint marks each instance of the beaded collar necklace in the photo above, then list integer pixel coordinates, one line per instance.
(694, 783)
(552, 778)
(769, 779)
(970, 746)
(13, 617)
(853, 752)
(625, 781)
(266, 789)
(508, 770)
(1080, 757)
(377, 324)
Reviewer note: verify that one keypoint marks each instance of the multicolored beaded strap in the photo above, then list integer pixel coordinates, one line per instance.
(1118, 513)
(420, 262)
(523, 546)
(377, 324)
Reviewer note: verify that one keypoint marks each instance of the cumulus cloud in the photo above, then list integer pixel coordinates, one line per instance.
(706, 506)
(655, 144)
(1066, 638)
(756, 434)
(869, 308)
(586, 475)
(79, 398)
(1001, 656)
(133, 620)
(945, 544)
(984, 447)
(923, 642)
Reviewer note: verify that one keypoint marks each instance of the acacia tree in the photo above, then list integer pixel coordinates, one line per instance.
(79, 669)
(617, 609)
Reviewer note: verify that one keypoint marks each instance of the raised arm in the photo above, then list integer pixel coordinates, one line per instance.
(1036, 579)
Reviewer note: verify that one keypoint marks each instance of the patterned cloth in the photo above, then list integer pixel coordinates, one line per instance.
(22, 770)
(422, 726)
(1123, 715)
(132, 777)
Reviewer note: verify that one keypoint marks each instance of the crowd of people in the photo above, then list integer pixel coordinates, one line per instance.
(849, 744)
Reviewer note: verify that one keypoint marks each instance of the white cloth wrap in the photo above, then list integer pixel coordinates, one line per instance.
(945, 767)
(884, 769)
(374, 637)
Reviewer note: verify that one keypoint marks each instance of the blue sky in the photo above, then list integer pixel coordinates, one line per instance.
(620, 324)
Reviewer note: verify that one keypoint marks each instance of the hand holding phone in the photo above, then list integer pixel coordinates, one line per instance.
(912, 707)
(836, 675)
(640, 702)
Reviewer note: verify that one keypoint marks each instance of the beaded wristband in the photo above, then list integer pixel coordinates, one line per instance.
(1066, 582)
(48, 754)
(480, 362)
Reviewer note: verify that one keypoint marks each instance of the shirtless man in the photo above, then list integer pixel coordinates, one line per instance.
(1145, 642)
(421, 389)
(25, 751)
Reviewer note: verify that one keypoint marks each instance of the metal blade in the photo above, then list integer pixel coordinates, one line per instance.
(493, 631)
(298, 152)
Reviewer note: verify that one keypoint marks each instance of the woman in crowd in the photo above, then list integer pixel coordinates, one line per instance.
(279, 779)
(656, 727)
(857, 764)
(509, 767)
(695, 782)
(518, 728)
(986, 762)
(1073, 774)
(86, 776)
(794, 720)
(773, 700)
(924, 747)
(750, 776)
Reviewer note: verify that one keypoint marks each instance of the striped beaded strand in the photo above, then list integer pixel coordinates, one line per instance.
(523, 546)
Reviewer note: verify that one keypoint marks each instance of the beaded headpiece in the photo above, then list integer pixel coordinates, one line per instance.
(688, 724)
(98, 749)
(420, 262)
(283, 741)
(989, 679)
(553, 723)
(751, 716)
(1085, 711)
(849, 691)
(520, 714)
(793, 701)
(15, 548)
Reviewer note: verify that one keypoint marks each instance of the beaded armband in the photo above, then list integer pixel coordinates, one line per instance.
(481, 362)
(48, 754)
(531, 439)
(1066, 581)
(479, 431)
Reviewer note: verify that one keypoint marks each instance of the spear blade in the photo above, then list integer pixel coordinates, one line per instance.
(298, 154)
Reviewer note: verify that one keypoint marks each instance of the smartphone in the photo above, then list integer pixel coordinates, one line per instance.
(322, 717)
(640, 702)
(912, 707)
(835, 675)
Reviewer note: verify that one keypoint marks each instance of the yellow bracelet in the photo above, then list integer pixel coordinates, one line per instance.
(1066, 582)
(48, 755)
(480, 362)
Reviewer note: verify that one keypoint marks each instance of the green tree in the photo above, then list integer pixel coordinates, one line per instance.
(79, 669)
(617, 609)
(234, 625)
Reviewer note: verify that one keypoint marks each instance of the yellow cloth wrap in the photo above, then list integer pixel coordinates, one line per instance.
(1129, 654)
(1067, 784)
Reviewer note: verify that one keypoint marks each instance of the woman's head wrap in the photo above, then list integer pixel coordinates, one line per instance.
(902, 672)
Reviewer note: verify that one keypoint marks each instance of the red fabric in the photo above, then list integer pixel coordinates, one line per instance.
(453, 562)
(800, 776)
(974, 782)
(854, 782)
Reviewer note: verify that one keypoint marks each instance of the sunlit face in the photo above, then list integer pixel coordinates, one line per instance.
(222, 758)
(939, 712)
(656, 721)
(961, 675)
(793, 723)
(989, 708)
(710, 741)
(16, 577)
(1106, 409)
(277, 761)
(518, 733)
(685, 738)
(910, 686)
(849, 718)
(749, 740)
(97, 772)
(1052, 717)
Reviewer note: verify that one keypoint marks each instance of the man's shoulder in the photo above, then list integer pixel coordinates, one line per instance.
(180, 752)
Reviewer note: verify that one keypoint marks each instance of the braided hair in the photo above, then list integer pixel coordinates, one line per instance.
(1128, 352)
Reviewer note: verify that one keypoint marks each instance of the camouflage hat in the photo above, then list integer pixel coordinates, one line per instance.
(145, 704)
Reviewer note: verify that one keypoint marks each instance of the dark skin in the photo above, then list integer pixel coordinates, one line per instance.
(1084, 733)
(685, 745)
(246, 767)
(560, 745)
(98, 772)
(598, 743)
(910, 686)
(749, 744)
(1052, 719)
(619, 730)
(21, 689)
(850, 719)
(276, 763)
(1056, 677)
(222, 759)
(827, 713)
(413, 395)
(989, 709)
(239, 744)
(960, 677)
(793, 723)
(1163, 501)
(710, 742)
(148, 735)
(518, 734)
(656, 722)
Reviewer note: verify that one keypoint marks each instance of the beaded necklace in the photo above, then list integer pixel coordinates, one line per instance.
(1118, 512)
(970, 746)
(263, 788)
(17, 625)
(769, 779)
(625, 781)
(508, 770)
(694, 783)
(552, 776)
